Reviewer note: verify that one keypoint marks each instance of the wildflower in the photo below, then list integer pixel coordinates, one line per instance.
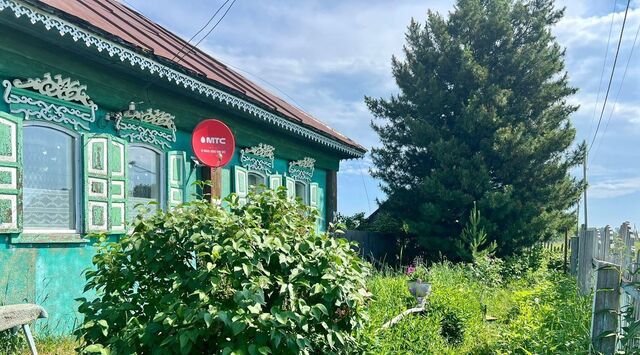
(411, 269)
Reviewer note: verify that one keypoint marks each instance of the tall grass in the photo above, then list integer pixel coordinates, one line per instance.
(538, 312)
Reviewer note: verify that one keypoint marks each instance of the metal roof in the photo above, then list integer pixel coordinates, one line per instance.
(136, 30)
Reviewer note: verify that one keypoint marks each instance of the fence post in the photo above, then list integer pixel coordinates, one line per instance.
(566, 244)
(573, 266)
(606, 305)
(606, 240)
(585, 260)
(627, 241)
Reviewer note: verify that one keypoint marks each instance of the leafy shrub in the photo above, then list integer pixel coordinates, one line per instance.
(555, 260)
(550, 317)
(354, 222)
(452, 327)
(11, 342)
(523, 264)
(487, 270)
(254, 278)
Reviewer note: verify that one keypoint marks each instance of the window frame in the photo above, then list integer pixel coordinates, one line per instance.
(77, 176)
(305, 200)
(162, 172)
(255, 173)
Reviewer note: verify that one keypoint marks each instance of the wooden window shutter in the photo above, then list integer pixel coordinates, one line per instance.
(241, 183)
(176, 178)
(10, 173)
(105, 183)
(275, 181)
(314, 192)
(313, 195)
(291, 188)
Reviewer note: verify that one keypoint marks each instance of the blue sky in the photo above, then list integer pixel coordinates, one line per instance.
(325, 56)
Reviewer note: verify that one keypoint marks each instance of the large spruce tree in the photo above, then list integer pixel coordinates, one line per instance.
(481, 116)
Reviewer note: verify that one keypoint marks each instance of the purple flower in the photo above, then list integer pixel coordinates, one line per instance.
(410, 270)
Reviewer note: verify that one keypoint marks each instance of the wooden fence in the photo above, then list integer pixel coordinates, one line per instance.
(381, 247)
(605, 263)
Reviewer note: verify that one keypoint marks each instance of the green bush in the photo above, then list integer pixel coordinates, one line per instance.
(11, 342)
(254, 278)
(451, 327)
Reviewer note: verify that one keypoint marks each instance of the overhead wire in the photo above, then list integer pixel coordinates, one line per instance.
(364, 185)
(613, 69)
(604, 65)
(201, 29)
(184, 45)
(208, 33)
(615, 101)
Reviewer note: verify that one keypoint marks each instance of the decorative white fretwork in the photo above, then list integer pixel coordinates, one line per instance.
(151, 126)
(155, 117)
(302, 169)
(258, 158)
(91, 40)
(58, 87)
(34, 98)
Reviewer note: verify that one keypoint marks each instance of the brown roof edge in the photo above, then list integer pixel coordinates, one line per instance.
(298, 116)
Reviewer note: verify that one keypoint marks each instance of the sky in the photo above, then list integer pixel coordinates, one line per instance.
(325, 56)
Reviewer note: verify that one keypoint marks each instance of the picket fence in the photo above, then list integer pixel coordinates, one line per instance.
(605, 263)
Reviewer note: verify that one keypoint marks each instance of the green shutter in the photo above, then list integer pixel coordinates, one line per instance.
(118, 185)
(176, 177)
(10, 173)
(240, 183)
(275, 181)
(313, 201)
(291, 187)
(321, 210)
(105, 180)
(313, 195)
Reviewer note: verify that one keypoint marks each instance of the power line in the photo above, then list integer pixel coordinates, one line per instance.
(200, 30)
(208, 33)
(613, 69)
(265, 81)
(615, 101)
(604, 64)
(366, 193)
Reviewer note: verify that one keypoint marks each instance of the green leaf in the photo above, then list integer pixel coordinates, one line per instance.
(281, 318)
(322, 308)
(207, 319)
(237, 327)
(185, 344)
(255, 309)
(94, 348)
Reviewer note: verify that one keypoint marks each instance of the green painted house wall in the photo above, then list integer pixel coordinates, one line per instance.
(47, 269)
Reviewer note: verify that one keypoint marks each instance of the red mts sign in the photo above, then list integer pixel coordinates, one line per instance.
(213, 143)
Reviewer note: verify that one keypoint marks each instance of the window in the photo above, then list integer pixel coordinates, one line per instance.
(144, 175)
(301, 191)
(254, 180)
(50, 194)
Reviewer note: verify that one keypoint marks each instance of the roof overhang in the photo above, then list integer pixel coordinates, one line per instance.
(93, 39)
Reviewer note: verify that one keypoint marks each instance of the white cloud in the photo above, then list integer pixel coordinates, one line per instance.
(614, 187)
(356, 166)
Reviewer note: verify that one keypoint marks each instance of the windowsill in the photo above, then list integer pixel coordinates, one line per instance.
(39, 237)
